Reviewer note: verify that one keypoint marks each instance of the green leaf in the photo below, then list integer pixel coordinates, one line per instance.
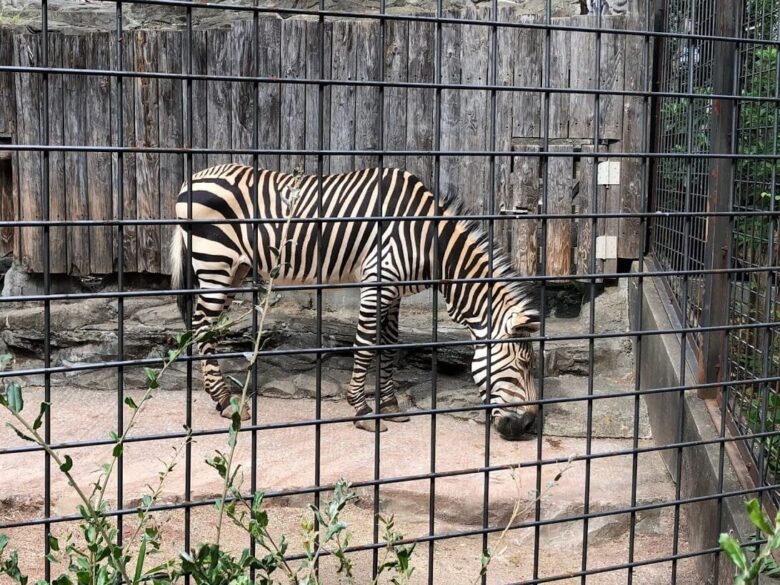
(758, 518)
(275, 272)
(44, 408)
(13, 394)
(731, 547)
(131, 403)
(54, 544)
(66, 465)
(151, 378)
(20, 434)
(3, 542)
(139, 563)
(118, 450)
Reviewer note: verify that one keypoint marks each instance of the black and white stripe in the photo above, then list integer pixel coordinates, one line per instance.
(351, 250)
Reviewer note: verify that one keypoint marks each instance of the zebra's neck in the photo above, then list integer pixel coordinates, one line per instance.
(464, 253)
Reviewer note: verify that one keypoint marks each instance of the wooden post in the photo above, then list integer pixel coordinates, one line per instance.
(715, 310)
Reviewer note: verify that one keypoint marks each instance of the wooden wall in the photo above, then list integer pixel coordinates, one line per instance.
(83, 111)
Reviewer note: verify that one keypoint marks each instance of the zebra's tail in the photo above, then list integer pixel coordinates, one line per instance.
(179, 267)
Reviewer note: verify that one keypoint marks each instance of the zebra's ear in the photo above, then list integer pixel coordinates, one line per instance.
(521, 321)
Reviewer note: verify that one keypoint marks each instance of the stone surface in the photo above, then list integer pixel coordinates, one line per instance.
(87, 16)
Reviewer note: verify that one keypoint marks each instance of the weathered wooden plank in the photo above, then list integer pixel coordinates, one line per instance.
(147, 164)
(74, 52)
(525, 191)
(560, 55)
(7, 98)
(612, 78)
(527, 60)
(475, 121)
(342, 134)
(7, 207)
(450, 107)
(268, 65)
(396, 56)
(367, 103)
(559, 201)
(170, 96)
(317, 36)
(293, 96)
(507, 53)
(98, 133)
(633, 119)
(28, 127)
(127, 187)
(219, 95)
(7, 128)
(420, 102)
(582, 106)
(242, 93)
(584, 205)
(58, 236)
(200, 122)
(611, 198)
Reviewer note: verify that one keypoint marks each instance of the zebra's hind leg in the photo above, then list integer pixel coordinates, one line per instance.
(366, 336)
(208, 308)
(388, 401)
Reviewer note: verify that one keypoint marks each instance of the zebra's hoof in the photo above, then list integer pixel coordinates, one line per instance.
(227, 412)
(392, 408)
(370, 425)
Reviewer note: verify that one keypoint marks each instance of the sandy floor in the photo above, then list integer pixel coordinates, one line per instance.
(285, 461)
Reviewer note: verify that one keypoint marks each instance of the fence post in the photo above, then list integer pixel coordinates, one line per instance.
(715, 310)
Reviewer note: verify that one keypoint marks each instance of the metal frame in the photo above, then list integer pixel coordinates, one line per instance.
(681, 221)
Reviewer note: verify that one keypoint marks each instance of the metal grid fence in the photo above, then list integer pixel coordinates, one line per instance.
(680, 177)
(754, 354)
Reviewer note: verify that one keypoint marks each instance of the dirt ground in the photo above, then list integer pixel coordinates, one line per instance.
(285, 461)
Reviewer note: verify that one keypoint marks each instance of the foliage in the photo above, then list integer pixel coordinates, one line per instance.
(759, 561)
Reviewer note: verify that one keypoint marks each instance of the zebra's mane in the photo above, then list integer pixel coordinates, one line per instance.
(523, 292)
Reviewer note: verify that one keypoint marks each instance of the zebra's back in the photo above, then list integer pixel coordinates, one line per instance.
(336, 234)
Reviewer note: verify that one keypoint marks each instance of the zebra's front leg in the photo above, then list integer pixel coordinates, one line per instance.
(366, 335)
(388, 400)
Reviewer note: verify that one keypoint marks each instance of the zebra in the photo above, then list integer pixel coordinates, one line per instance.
(606, 7)
(222, 256)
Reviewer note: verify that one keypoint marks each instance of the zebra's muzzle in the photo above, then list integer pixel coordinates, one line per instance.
(513, 426)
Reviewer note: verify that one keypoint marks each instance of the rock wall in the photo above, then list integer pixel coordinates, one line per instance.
(91, 15)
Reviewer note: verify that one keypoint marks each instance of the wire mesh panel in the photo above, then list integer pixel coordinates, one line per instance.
(684, 127)
(753, 352)
(357, 292)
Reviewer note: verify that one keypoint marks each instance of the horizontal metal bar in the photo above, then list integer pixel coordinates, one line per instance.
(361, 285)
(26, 69)
(383, 347)
(386, 153)
(513, 215)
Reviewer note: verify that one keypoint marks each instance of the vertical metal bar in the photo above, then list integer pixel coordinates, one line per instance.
(120, 263)
(638, 325)
(544, 174)
(320, 259)
(592, 296)
(46, 284)
(721, 178)
(378, 354)
(255, 231)
(686, 257)
(189, 284)
(492, 66)
(435, 275)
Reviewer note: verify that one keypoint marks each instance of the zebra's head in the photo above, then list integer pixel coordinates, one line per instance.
(511, 371)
